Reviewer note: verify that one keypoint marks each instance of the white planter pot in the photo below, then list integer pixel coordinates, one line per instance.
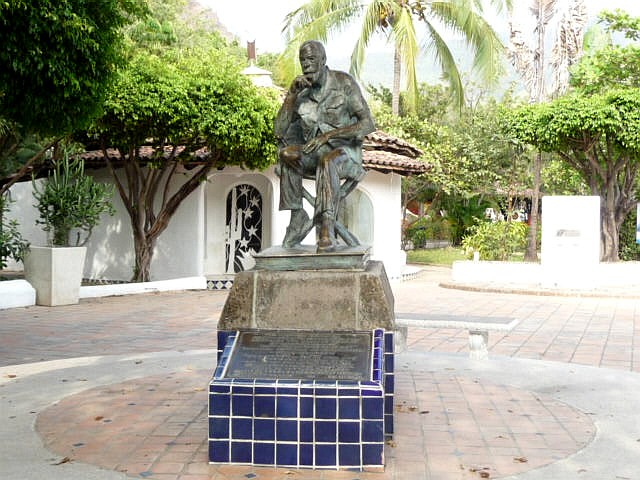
(55, 273)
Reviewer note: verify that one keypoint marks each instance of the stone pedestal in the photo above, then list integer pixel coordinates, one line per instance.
(334, 409)
(311, 300)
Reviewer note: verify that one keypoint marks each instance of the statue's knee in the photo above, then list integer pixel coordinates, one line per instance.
(290, 155)
(334, 156)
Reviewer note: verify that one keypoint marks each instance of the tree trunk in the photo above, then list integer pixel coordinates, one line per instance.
(395, 92)
(531, 254)
(143, 246)
(610, 232)
(610, 240)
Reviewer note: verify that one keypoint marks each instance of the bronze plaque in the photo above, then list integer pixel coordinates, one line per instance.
(301, 355)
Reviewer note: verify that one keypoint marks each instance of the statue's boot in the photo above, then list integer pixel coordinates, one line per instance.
(299, 226)
(326, 240)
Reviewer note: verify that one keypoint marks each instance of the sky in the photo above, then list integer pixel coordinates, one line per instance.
(262, 21)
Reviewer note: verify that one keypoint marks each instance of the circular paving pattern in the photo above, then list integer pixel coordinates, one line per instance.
(447, 426)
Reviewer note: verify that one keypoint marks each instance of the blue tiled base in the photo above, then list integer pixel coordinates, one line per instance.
(302, 423)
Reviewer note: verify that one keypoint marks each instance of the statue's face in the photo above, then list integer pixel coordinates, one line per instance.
(311, 61)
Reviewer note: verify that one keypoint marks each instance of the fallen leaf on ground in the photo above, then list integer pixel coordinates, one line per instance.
(479, 469)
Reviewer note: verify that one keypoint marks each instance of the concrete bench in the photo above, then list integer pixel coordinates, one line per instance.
(477, 326)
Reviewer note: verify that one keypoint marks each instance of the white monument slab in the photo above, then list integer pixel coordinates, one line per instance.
(570, 241)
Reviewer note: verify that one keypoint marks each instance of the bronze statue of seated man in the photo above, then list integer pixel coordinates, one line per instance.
(320, 128)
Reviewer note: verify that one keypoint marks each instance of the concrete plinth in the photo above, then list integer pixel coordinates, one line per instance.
(310, 300)
(55, 273)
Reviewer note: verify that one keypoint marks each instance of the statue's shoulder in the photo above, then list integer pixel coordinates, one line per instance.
(342, 77)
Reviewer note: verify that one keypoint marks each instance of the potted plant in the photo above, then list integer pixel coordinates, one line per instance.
(70, 204)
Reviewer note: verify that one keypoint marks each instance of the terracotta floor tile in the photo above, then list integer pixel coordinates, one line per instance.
(161, 466)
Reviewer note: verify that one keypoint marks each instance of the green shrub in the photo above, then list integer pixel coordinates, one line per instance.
(428, 228)
(12, 245)
(628, 249)
(495, 240)
(463, 212)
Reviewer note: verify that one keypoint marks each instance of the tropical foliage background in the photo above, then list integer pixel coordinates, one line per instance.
(156, 74)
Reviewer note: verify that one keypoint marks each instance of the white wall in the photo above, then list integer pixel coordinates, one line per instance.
(387, 223)
(178, 253)
(194, 242)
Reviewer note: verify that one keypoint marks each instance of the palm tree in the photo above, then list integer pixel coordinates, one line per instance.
(532, 67)
(397, 19)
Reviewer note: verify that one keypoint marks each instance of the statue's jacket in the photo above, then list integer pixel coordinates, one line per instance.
(335, 104)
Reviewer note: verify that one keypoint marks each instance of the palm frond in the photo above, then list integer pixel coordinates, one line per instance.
(485, 45)
(444, 57)
(314, 20)
(317, 18)
(500, 4)
(404, 37)
(568, 45)
(543, 10)
(521, 56)
(374, 13)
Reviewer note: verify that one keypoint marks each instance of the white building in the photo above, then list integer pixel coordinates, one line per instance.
(235, 213)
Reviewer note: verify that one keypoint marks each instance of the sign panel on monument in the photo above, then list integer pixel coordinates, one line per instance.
(570, 241)
(298, 354)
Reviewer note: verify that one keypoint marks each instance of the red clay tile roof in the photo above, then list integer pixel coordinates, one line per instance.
(387, 154)
(381, 152)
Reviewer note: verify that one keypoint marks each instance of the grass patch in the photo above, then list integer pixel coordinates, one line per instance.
(436, 256)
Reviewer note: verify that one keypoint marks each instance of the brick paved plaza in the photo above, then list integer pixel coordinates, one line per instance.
(129, 374)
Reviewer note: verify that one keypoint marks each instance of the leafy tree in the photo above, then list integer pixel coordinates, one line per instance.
(463, 212)
(269, 61)
(56, 61)
(559, 178)
(595, 129)
(599, 136)
(177, 102)
(629, 248)
(612, 65)
(473, 161)
(429, 227)
(397, 20)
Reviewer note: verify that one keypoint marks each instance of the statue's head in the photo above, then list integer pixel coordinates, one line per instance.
(313, 58)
